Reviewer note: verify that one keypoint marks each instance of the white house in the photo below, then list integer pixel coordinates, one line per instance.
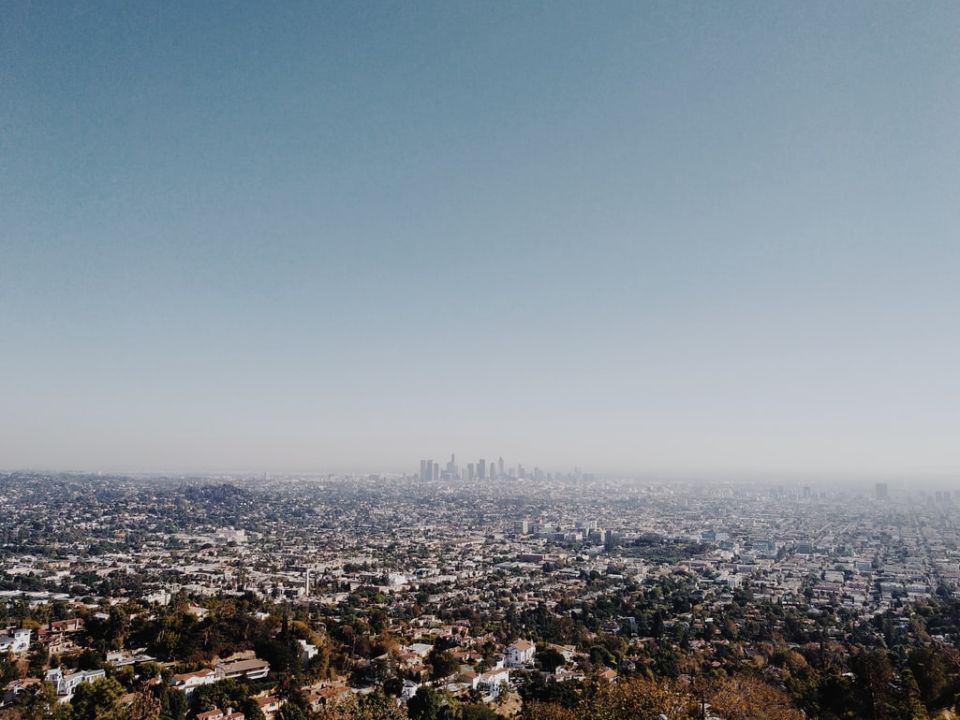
(218, 714)
(123, 658)
(67, 684)
(493, 682)
(188, 682)
(409, 689)
(252, 669)
(16, 642)
(421, 649)
(307, 651)
(160, 597)
(520, 653)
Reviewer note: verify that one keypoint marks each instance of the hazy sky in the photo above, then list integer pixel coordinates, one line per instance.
(648, 236)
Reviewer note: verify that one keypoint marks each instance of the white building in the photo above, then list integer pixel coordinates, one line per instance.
(307, 651)
(396, 580)
(15, 642)
(188, 682)
(160, 597)
(249, 668)
(122, 658)
(520, 653)
(492, 683)
(229, 534)
(66, 684)
(252, 669)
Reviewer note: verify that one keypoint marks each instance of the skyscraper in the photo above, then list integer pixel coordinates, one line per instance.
(482, 469)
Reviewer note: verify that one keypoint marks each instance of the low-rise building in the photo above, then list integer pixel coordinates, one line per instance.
(15, 641)
(520, 653)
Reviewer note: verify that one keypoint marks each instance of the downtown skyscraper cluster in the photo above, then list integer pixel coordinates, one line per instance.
(432, 471)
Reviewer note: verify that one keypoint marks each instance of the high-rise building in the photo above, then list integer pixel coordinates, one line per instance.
(482, 469)
(881, 491)
(470, 471)
(500, 467)
(429, 470)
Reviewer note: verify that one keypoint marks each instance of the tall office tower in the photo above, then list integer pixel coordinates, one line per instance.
(423, 470)
(470, 471)
(482, 469)
(500, 466)
(452, 465)
(521, 473)
(436, 471)
(881, 491)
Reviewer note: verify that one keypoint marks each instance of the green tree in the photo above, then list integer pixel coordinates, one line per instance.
(90, 659)
(426, 704)
(442, 663)
(550, 659)
(930, 673)
(42, 704)
(99, 700)
(874, 683)
(38, 662)
(911, 705)
(292, 712)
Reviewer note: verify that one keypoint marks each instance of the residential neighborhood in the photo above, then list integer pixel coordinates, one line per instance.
(220, 593)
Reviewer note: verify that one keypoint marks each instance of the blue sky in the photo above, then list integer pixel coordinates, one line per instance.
(652, 237)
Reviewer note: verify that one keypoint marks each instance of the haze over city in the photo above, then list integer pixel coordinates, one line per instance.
(479, 360)
(664, 238)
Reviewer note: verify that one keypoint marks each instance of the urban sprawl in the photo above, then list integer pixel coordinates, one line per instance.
(475, 593)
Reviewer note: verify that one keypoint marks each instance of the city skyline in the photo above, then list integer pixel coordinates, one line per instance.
(662, 239)
(492, 598)
(459, 360)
